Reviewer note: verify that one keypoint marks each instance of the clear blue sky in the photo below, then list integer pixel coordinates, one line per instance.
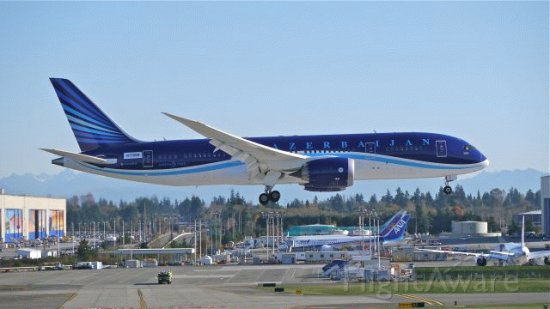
(476, 70)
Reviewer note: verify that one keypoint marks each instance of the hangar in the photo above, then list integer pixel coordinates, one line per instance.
(25, 217)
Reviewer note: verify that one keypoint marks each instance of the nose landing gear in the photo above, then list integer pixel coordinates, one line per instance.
(447, 189)
(269, 195)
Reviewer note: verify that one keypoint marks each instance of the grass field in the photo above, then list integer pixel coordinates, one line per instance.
(528, 306)
(530, 272)
(515, 285)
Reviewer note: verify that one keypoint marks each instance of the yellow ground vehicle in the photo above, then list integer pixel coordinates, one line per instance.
(165, 277)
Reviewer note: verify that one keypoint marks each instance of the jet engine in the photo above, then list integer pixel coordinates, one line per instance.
(327, 174)
(481, 261)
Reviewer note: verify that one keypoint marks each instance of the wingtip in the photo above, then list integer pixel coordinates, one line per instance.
(179, 118)
(171, 115)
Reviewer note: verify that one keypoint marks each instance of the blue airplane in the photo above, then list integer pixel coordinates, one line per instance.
(318, 162)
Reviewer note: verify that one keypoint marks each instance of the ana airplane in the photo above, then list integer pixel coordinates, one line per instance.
(318, 162)
(392, 232)
(505, 254)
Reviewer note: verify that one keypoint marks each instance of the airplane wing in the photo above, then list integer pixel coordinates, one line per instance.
(263, 162)
(539, 254)
(77, 156)
(454, 252)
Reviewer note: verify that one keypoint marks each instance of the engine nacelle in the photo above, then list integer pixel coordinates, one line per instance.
(481, 261)
(328, 174)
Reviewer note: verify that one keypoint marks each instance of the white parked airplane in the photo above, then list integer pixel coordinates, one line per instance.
(393, 231)
(507, 254)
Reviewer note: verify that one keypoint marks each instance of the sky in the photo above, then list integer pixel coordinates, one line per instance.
(475, 70)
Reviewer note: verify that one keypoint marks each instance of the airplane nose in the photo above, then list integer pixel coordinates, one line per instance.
(483, 160)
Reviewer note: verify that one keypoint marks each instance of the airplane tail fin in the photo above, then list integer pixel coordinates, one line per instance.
(91, 127)
(396, 227)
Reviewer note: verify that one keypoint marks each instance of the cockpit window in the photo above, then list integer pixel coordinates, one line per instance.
(468, 147)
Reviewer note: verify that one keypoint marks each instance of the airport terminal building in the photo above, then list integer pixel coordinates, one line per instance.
(29, 217)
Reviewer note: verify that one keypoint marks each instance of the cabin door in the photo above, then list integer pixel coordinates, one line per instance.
(147, 158)
(441, 148)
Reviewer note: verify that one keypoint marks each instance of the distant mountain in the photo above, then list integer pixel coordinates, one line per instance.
(69, 183)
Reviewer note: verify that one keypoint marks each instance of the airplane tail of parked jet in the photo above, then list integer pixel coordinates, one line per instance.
(394, 231)
(91, 127)
(396, 227)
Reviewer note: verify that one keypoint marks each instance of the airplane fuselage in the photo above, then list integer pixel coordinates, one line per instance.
(376, 156)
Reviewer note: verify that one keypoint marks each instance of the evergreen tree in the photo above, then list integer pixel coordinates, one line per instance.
(84, 251)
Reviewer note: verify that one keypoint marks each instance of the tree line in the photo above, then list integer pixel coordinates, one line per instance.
(235, 217)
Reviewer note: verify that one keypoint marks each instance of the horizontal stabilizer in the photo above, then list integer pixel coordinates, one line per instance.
(77, 156)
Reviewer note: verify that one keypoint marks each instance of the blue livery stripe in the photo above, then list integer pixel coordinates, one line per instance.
(80, 101)
(184, 171)
(89, 125)
(100, 133)
(103, 141)
(76, 113)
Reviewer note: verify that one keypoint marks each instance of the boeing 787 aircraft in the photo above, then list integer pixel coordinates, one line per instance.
(317, 162)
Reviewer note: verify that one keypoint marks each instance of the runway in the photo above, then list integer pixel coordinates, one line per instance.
(205, 287)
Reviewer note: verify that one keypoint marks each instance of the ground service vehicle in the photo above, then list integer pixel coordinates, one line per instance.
(165, 277)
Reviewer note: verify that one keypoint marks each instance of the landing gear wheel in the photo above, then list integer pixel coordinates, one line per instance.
(264, 199)
(448, 190)
(274, 196)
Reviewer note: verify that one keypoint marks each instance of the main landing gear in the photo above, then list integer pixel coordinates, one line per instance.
(447, 189)
(269, 195)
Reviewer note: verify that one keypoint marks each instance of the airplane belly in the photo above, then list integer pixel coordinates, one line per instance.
(396, 169)
(227, 172)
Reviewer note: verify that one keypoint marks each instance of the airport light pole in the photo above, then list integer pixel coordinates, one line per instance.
(362, 213)
(93, 232)
(139, 229)
(195, 242)
(114, 230)
(378, 238)
(282, 229)
(273, 234)
(275, 225)
(200, 238)
(264, 215)
(74, 239)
